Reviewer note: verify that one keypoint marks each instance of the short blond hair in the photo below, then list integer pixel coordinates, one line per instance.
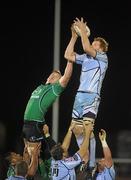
(103, 42)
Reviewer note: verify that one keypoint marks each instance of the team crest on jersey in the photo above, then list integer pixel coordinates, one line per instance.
(75, 157)
(36, 93)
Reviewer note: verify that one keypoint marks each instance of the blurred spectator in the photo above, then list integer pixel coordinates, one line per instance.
(124, 151)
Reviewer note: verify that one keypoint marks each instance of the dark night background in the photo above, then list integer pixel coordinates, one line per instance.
(26, 53)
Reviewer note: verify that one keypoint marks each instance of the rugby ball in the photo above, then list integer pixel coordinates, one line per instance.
(78, 31)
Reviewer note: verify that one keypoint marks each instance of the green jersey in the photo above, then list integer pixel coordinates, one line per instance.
(44, 169)
(40, 101)
(11, 171)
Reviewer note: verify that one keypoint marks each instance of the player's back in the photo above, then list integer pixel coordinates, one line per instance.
(61, 171)
(64, 169)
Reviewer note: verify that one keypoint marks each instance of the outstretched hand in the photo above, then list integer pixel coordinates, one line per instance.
(36, 150)
(72, 125)
(88, 127)
(73, 32)
(102, 135)
(80, 23)
(46, 129)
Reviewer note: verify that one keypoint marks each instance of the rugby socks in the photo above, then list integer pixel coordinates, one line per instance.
(92, 153)
(79, 140)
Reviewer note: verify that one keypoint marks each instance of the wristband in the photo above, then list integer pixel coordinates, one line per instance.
(104, 143)
(47, 135)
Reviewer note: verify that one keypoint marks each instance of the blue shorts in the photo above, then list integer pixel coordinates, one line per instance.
(85, 104)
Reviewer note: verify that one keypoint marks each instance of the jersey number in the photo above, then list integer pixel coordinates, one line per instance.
(55, 171)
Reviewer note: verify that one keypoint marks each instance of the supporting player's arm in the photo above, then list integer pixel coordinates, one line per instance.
(48, 137)
(69, 52)
(85, 144)
(67, 139)
(106, 149)
(84, 38)
(34, 161)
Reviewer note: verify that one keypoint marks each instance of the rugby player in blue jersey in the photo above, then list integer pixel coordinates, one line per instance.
(62, 166)
(94, 63)
(105, 168)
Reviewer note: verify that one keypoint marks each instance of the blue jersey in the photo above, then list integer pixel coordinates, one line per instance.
(16, 178)
(64, 169)
(107, 174)
(92, 72)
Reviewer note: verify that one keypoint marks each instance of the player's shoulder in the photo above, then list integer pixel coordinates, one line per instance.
(101, 56)
(88, 56)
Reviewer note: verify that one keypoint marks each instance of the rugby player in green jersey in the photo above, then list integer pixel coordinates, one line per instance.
(40, 101)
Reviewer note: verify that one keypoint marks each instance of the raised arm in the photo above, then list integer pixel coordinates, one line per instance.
(67, 74)
(48, 137)
(69, 52)
(67, 139)
(33, 166)
(85, 144)
(84, 38)
(106, 149)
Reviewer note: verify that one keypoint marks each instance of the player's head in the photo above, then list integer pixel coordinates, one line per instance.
(57, 152)
(54, 77)
(21, 168)
(101, 165)
(100, 44)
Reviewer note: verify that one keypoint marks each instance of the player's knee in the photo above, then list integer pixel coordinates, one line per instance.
(78, 129)
(78, 121)
(88, 120)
